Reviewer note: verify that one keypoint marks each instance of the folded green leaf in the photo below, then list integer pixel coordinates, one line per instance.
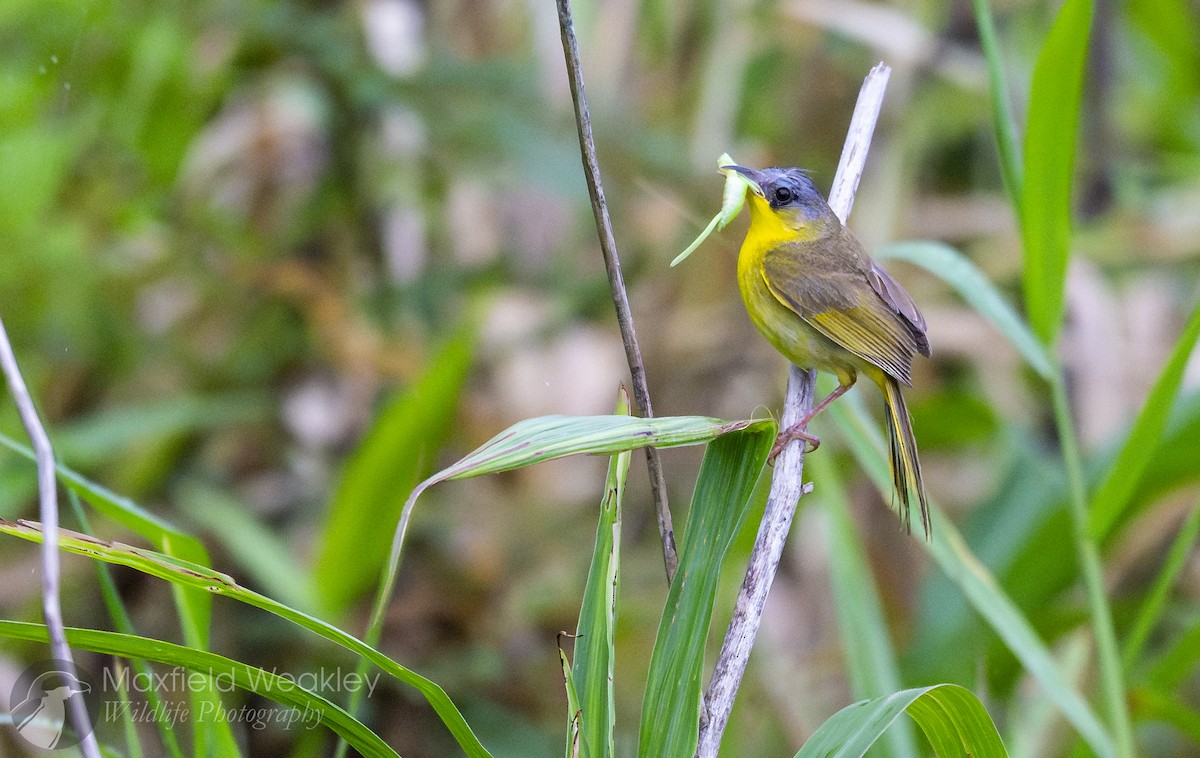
(548, 437)
(952, 718)
(1050, 136)
(671, 707)
(593, 669)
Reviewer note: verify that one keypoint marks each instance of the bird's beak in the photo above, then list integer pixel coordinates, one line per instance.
(750, 175)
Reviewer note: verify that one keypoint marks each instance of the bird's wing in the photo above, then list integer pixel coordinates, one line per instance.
(901, 302)
(837, 299)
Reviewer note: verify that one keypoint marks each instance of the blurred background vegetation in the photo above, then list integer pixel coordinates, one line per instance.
(264, 263)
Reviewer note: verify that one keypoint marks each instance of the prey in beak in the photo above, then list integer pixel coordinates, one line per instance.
(750, 176)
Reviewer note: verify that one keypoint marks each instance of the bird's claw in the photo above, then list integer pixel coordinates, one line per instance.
(790, 435)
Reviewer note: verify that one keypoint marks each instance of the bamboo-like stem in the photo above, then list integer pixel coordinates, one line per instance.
(616, 281)
(787, 481)
(48, 512)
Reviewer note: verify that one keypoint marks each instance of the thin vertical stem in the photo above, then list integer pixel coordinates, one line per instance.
(1002, 117)
(616, 281)
(48, 513)
(1112, 680)
(787, 481)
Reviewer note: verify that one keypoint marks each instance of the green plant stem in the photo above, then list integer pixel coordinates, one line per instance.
(1002, 117)
(1107, 654)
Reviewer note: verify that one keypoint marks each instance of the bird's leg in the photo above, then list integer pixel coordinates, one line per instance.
(797, 430)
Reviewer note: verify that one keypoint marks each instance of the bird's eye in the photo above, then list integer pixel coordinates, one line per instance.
(783, 195)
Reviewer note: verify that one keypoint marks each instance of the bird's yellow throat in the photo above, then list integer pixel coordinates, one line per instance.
(769, 229)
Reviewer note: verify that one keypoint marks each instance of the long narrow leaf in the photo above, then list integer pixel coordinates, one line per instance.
(952, 718)
(592, 671)
(1050, 135)
(184, 574)
(671, 707)
(396, 453)
(978, 291)
(312, 707)
(195, 608)
(546, 438)
(1115, 495)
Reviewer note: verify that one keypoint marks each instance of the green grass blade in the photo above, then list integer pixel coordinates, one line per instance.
(280, 689)
(98, 437)
(254, 546)
(546, 438)
(380, 473)
(866, 646)
(549, 437)
(593, 667)
(1115, 494)
(194, 608)
(952, 718)
(1050, 135)
(978, 586)
(978, 291)
(1091, 571)
(184, 574)
(1002, 117)
(1151, 610)
(132, 742)
(671, 707)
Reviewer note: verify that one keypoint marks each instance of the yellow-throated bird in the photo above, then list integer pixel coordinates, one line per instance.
(816, 295)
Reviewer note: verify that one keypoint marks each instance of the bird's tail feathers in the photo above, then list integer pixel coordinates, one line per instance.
(902, 451)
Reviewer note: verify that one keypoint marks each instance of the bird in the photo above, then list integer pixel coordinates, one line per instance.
(812, 290)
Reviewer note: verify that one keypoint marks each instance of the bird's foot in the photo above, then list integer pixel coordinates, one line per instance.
(790, 435)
